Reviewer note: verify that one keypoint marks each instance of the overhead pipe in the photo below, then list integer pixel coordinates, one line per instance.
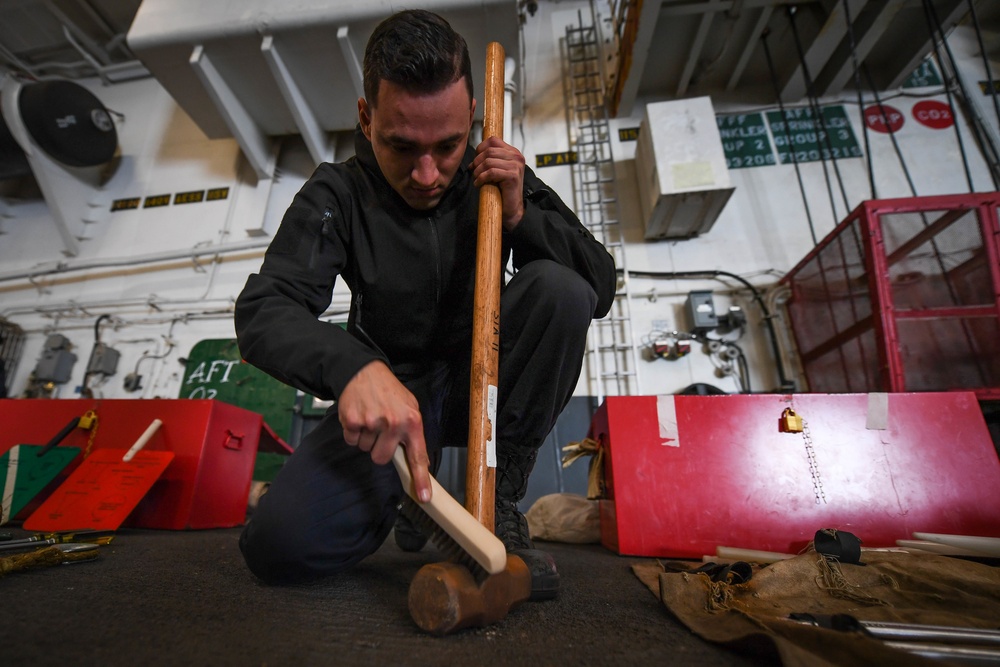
(136, 260)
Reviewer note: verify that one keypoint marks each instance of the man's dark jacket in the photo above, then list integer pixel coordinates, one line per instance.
(411, 273)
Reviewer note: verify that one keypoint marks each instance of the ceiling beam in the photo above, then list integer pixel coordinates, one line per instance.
(694, 54)
(818, 53)
(948, 21)
(351, 60)
(649, 12)
(255, 144)
(305, 119)
(863, 46)
(748, 48)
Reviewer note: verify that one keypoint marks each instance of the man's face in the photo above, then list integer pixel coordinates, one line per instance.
(419, 140)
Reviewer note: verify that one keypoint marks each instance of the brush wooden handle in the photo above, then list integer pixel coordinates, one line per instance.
(480, 477)
(473, 537)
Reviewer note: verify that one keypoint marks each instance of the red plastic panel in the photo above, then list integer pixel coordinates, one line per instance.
(731, 478)
(101, 492)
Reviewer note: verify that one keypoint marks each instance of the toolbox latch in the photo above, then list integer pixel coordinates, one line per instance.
(233, 441)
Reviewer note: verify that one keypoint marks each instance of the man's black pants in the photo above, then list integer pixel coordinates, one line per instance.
(330, 506)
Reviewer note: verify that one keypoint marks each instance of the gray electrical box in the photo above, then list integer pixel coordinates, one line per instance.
(103, 360)
(56, 362)
(701, 311)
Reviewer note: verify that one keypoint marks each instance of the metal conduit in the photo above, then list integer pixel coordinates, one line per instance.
(137, 260)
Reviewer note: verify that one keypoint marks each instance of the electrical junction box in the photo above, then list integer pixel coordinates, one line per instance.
(103, 360)
(56, 362)
(681, 169)
(701, 311)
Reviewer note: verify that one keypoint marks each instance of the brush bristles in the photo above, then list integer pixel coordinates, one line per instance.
(445, 544)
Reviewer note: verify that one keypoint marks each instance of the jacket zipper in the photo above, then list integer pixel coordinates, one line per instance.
(437, 259)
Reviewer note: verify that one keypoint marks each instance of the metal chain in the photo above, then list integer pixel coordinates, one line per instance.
(813, 466)
(93, 436)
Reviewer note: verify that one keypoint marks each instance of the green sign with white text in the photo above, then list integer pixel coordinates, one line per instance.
(800, 138)
(745, 140)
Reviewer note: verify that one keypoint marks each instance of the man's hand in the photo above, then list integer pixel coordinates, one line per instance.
(378, 413)
(502, 165)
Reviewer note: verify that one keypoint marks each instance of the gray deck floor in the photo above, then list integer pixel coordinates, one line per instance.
(186, 598)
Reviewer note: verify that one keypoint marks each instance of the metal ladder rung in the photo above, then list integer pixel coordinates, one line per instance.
(591, 162)
(615, 376)
(599, 202)
(595, 181)
(611, 317)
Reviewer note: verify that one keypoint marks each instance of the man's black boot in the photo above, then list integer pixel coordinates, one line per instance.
(408, 537)
(513, 468)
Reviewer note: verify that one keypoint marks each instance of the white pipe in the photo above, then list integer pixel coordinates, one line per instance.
(86, 55)
(89, 264)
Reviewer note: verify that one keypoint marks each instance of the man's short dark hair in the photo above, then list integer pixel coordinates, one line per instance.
(417, 50)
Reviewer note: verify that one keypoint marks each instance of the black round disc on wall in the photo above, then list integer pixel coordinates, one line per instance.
(68, 122)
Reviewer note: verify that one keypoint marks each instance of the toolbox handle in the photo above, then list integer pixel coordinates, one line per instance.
(233, 441)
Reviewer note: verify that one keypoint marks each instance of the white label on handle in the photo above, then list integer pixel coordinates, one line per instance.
(491, 414)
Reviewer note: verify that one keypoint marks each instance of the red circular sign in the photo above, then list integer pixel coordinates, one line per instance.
(883, 118)
(935, 115)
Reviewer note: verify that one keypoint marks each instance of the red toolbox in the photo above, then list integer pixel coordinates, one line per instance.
(215, 445)
(686, 474)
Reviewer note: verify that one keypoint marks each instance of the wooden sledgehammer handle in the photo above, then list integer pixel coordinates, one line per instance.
(445, 597)
(480, 478)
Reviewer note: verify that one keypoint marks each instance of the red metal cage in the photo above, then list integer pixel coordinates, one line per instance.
(903, 295)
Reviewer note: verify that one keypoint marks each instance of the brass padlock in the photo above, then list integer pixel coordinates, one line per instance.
(790, 422)
(87, 420)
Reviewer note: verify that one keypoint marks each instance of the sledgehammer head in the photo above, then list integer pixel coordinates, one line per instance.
(445, 597)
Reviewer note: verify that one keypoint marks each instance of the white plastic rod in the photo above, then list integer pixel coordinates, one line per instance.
(143, 439)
